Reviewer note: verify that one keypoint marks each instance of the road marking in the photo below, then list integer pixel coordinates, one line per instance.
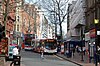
(59, 57)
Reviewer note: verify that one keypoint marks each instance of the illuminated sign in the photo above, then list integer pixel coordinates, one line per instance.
(92, 33)
(50, 40)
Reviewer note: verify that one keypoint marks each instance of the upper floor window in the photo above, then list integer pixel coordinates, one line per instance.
(0, 5)
(17, 27)
(18, 18)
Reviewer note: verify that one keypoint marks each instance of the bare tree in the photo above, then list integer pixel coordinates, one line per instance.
(58, 8)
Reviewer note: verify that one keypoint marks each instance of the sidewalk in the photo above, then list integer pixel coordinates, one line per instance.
(8, 64)
(1, 61)
(77, 59)
(4, 63)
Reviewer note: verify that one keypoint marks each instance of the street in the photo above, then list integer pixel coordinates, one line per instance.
(33, 59)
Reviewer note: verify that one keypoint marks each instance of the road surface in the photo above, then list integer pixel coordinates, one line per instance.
(33, 59)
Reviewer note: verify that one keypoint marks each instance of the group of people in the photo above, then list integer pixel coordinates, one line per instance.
(77, 49)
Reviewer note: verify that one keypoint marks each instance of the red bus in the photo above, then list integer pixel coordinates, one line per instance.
(28, 41)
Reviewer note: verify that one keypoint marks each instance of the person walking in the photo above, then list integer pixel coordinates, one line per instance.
(42, 52)
(15, 53)
(84, 50)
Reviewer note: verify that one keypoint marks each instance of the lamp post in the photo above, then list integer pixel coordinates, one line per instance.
(96, 21)
(82, 40)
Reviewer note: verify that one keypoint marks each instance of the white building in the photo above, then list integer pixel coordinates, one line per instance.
(76, 20)
(46, 28)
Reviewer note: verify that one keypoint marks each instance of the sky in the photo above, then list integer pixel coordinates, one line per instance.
(64, 25)
(31, 1)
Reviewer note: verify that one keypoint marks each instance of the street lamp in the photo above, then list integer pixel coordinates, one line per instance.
(96, 21)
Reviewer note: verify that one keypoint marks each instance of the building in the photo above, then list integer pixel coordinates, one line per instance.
(18, 23)
(44, 28)
(75, 24)
(8, 18)
(92, 13)
(1, 12)
(76, 21)
(26, 19)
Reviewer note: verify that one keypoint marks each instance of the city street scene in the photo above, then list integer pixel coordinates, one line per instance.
(49, 32)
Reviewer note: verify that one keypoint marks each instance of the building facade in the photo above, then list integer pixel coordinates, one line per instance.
(1, 12)
(8, 16)
(81, 24)
(92, 14)
(76, 20)
(27, 18)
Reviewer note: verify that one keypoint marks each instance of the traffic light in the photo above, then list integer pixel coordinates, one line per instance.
(2, 32)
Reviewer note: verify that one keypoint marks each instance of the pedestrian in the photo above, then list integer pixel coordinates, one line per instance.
(15, 53)
(19, 48)
(67, 52)
(42, 52)
(77, 48)
(73, 51)
(84, 50)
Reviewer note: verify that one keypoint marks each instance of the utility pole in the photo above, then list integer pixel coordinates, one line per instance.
(82, 43)
(96, 21)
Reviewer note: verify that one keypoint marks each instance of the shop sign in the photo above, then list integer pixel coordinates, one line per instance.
(92, 33)
(4, 46)
(98, 32)
(87, 36)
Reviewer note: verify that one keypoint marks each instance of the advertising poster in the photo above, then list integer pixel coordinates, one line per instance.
(4, 46)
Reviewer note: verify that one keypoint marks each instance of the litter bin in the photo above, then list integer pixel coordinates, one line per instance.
(16, 60)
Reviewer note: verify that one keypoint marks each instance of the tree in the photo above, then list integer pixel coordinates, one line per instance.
(58, 7)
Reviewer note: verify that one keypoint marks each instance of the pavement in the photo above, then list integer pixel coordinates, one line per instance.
(1, 61)
(8, 64)
(77, 59)
(4, 63)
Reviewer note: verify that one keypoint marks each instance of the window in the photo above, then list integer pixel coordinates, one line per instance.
(18, 18)
(14, 27)
(17, 27)
(0, 5)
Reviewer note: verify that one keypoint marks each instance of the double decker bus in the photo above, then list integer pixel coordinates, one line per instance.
(50, 45)
(28, 42)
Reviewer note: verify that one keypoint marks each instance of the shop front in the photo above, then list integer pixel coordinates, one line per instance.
(92, 46)
(71, 45)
